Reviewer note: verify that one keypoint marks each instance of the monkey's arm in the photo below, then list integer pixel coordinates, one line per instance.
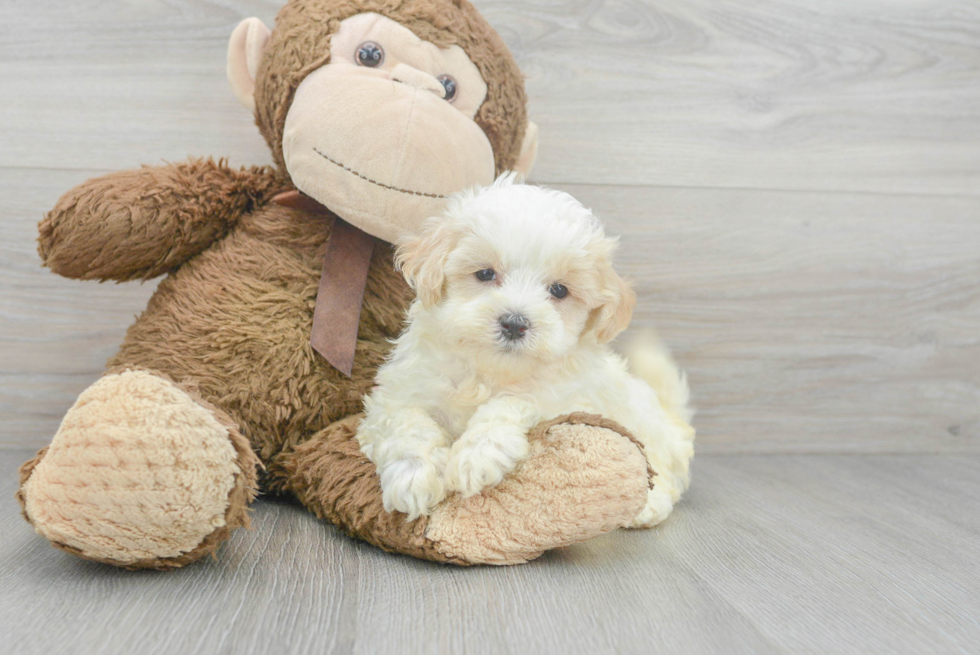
(143, 223)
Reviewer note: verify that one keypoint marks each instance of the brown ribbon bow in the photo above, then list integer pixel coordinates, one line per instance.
(341, 291)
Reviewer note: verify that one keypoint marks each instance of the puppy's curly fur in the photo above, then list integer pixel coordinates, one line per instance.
(517, 299)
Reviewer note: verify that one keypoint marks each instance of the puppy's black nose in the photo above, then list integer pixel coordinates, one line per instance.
(513, 326)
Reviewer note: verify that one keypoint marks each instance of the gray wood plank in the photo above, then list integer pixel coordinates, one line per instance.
(55, 334)
(839, 95)
(833, 555)
(768, 554)
(809, 322)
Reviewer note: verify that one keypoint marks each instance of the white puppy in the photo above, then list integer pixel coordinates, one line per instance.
(517, 298)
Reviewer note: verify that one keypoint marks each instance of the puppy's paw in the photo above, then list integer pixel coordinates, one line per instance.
(482, 457)
(659, 505)
(412, 486)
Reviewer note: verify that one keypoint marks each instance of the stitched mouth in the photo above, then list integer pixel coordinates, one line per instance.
(375, 182)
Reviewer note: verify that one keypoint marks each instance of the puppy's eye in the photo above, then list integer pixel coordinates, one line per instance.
(558, 290)
(486, 275)
(370, 54)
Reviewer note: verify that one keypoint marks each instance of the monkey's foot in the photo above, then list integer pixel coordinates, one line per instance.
(583, 476)
(141, 474)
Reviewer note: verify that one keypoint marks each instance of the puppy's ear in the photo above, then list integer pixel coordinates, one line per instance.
(613, 316)
(422, 260)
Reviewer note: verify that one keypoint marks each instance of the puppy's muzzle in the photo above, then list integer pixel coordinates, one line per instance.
(514, 326)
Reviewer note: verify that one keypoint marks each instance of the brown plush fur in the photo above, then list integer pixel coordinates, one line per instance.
(236, 321)
(23, 473)
(232, 320)
(145, 223)
(336, 482)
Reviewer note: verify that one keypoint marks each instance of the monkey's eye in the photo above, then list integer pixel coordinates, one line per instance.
(449, 84)
(486, 275)
(558, 290)
(370, 54)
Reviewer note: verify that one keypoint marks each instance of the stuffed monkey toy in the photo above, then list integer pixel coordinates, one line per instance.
(247, 369)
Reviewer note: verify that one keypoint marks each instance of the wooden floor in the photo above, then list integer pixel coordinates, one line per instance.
(798, 189)
(769, 554)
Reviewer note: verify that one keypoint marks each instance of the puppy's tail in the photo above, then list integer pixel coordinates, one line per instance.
(650, 360)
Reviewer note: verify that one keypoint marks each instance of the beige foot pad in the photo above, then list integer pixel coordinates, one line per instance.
(140, 474)
(584, 476)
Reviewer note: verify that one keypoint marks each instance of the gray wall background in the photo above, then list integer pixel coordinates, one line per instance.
(797, 184)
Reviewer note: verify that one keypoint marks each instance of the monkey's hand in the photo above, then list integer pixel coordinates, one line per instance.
(142, 223)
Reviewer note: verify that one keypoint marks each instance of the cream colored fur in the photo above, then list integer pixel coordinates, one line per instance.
(453, 404)
(245, 48)
(137, 470)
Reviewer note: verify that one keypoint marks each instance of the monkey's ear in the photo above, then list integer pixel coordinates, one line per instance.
(245, 49)
(529, 150)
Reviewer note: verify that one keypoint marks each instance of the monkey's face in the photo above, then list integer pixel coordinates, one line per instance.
(390, 124)
(385, 131)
